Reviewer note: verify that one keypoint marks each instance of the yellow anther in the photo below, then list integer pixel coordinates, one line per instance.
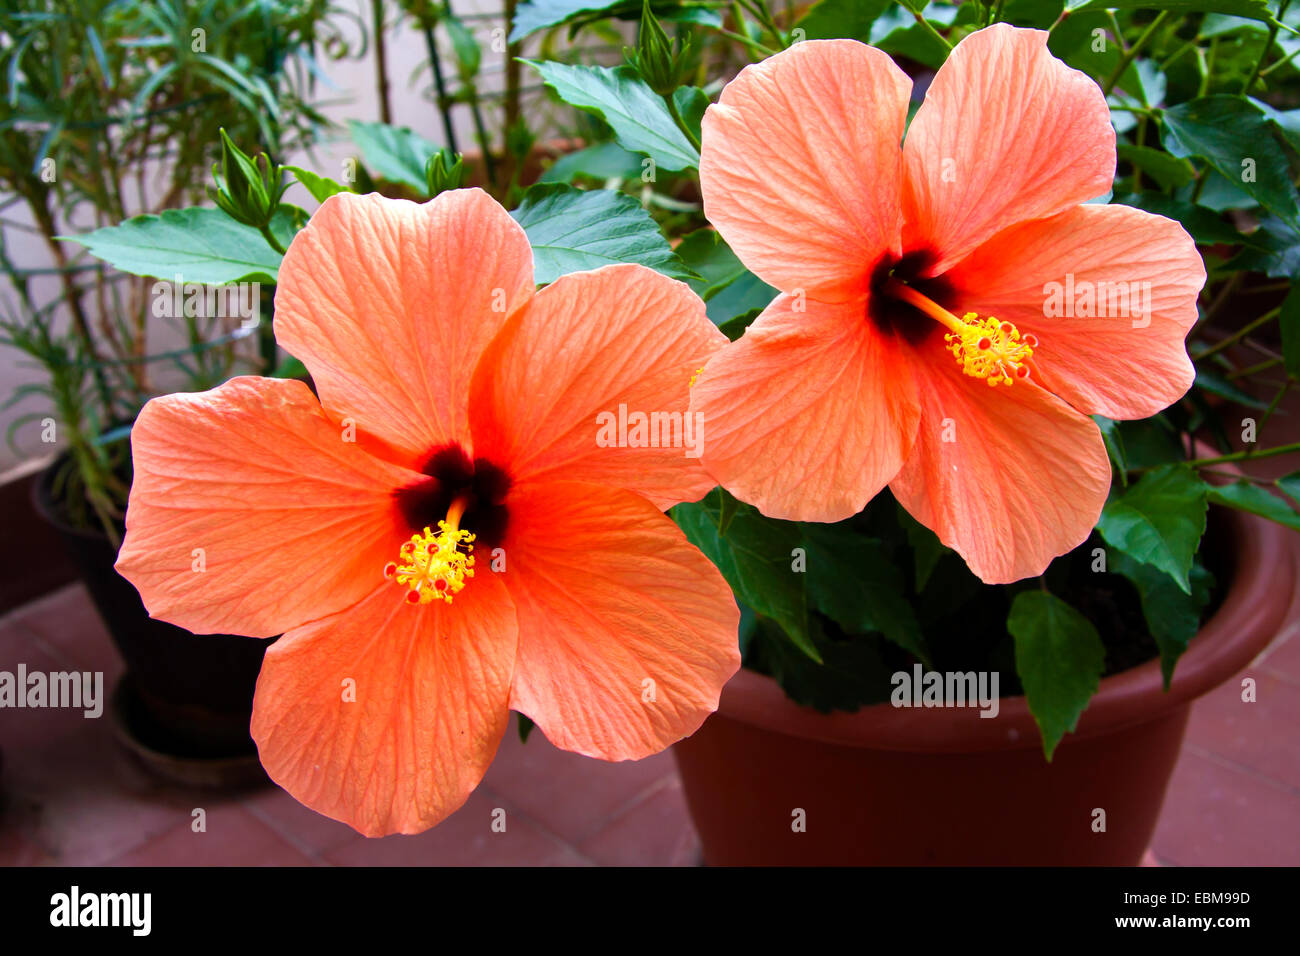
(697, 374)
(984, 348)
(992, 350)
(435, 566)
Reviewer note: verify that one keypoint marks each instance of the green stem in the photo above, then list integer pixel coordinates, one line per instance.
(1127, 58)
(929, 28)
(759, 9)
(271, 241)
(753, 45)
(755, 48)
(691, 138)
(1268, 48)
(440, 87)
(1237, 336)
(1240, 456)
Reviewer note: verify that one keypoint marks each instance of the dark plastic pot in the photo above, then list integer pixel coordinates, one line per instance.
(191, 695)
(894, 786)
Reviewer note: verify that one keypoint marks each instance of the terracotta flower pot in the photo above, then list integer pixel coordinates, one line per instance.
(894, 786)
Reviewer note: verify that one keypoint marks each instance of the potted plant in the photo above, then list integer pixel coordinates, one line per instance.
(1103, 570)
(111, 110)
(1188, 572)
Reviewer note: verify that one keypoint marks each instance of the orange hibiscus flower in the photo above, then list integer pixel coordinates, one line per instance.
(914, 277)
(441, 537)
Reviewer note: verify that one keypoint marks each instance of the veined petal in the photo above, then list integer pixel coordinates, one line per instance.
(389, 304)
(1007, 132)
(1109, 291)
(251, 513)
(1007, 476)
(386, 715)
(594, 349)
(626, 631)
(810, 413)
(800, 167)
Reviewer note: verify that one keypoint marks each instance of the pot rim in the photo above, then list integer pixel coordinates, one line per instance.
(1240, 629)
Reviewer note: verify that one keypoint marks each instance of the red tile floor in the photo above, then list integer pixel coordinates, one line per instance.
(72, 796)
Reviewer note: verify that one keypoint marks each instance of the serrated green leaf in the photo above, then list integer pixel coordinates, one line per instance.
(639, 118)
(853, 580)
(1114, 441)
(1231, 134)
(1173, 616)
(1250, 9)
(847, 19)
(602, 161)
(926, 547)
(1290, 485)
(1202, 224)
(1252, 498)
(1168, 171)
(393, 152)
(197, 244)
(535, 15)
(1059, 658)
(572, 230)
(320, 187)
(1159, 520)
(756, 557)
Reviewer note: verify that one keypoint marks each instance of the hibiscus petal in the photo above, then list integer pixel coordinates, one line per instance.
(626, 632)
(1122, 365)
(800, 168)
(389, 305)
(810, 413)
(387, 715)
(618, 342)
(249, 511)
(1007, 476)
(1007, 132)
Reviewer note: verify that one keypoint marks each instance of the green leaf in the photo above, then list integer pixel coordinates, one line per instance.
(1237, 141)
(1150, 442)
(535, 15)
(835, 19)
(853, 580)
(1251, 9)
(572, 230)
(468, 53)
(1290, 485)
(602, 161)
(1114, 442)
(756, 557)
(1204, 225)
(394, 152)
(320, 187)
(1159, 520)
(1166, 170)
(1059, 658)
(639, 118)
(847, 674)
(1220, 386)
(1247, 496)
(727, 287)
(290, 367)
(525, 725)
(926, 547)
(1173, 616)
(197, 244)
